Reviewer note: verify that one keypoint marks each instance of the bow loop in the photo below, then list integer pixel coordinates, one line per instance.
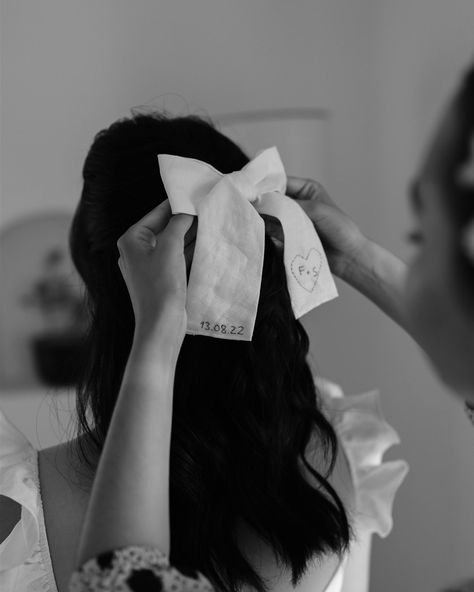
(244, 185)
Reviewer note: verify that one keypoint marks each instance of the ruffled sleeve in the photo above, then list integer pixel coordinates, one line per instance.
(365, 436)
(17, 481)
(134, 568)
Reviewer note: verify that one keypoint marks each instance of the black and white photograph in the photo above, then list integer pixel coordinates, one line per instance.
(237, 296)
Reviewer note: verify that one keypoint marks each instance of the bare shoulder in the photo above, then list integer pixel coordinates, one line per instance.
(341, 478)
(64, 500)
(10, 513)
(59, 473)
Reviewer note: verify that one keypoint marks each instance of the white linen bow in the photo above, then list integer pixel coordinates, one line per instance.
(225, 276)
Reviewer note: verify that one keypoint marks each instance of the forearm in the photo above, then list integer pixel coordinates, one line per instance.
(129, 502)
(379, 276)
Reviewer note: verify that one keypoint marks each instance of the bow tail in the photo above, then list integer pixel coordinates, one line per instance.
(225, 277)
(310, 282)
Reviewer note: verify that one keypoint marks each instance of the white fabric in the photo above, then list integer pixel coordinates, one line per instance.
(226, 271)
(25, 562)
(362, 431)
(366, 436)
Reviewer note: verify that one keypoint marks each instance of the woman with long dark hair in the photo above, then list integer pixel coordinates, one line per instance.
(275, 478)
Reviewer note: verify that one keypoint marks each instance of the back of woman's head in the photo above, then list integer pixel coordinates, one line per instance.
(244, 412)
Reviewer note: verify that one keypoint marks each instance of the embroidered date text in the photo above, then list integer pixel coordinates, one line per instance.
(218, 328)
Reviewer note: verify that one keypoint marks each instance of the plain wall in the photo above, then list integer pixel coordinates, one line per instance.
(383, 69)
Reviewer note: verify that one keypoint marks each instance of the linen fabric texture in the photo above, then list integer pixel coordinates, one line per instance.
(226, 271)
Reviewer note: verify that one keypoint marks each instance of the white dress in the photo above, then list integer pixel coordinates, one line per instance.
(25, 562)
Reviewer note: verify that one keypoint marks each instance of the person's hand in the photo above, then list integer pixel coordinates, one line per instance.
(341, 237)
(153, 266)
(367, 267)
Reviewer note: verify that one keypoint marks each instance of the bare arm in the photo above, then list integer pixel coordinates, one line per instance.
(367, 267)
(379, 275)
(129, 502)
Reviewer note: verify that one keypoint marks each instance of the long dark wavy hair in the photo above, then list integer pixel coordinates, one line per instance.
(244, 412)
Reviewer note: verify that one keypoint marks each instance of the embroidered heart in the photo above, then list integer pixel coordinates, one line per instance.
(306, 270)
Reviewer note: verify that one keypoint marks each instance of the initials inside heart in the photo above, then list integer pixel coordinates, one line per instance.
(306, 270)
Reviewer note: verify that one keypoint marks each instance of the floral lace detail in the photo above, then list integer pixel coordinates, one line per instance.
(134, 568)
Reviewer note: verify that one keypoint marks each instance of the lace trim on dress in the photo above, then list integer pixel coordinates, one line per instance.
(134, 569)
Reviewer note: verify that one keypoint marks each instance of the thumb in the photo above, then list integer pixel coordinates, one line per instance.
(295, 186)
(179, 224)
